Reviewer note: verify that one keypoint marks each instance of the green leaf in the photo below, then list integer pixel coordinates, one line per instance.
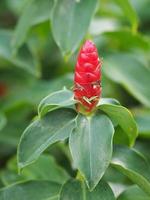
(16, 123)
(33, 93)
(100, 25)
(3, 121)
(143, 147)
(35, 12)
(35, 190)
(9, 177)
(113, 176)
(124, 39)
(56, 100)
(108, 101)
(70, 21)
(129, 12)
(142, 117)
(132, 74)
(142, 8)
(55, 126)
(133, 165)
(16, 6)
(132, 193)
(51, 171)
(124, 118)
(76, 190)
(91, 146)
(120, 136)
(24, 59)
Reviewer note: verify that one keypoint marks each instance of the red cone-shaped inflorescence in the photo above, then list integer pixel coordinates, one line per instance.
(87, 80)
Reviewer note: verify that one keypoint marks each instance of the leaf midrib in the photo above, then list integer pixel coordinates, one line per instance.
(39, 150)
(90, 153)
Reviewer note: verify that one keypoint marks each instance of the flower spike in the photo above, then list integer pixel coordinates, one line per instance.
(87, 79)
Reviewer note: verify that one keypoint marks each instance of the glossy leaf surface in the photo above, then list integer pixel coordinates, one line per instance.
(91, 146)
(76, 190)
(70, 21)
(35, 190)
(55, 126)
(133, 165)
(55, 100)
(124, 118)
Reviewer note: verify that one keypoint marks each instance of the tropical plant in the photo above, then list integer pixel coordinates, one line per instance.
(88, 140)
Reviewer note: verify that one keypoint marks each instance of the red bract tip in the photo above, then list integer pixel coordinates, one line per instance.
(87, 79)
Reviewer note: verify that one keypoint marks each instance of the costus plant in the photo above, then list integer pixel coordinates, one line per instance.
(80, 145)
(98, 131)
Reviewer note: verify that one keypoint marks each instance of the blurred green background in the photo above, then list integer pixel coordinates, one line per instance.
(39, 41)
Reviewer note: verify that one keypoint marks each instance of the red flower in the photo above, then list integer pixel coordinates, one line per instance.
(87, 87)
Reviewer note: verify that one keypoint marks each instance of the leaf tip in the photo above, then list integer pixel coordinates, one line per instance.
(91, 185)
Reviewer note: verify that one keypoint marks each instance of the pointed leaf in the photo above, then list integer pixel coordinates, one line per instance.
(91, 146)
(35, 190)
(55, 126)
(124, 118)
(55, 100)
(133, 165)
(76, 190)
(70, 21)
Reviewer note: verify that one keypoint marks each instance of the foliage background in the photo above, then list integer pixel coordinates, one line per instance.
(38, 49)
